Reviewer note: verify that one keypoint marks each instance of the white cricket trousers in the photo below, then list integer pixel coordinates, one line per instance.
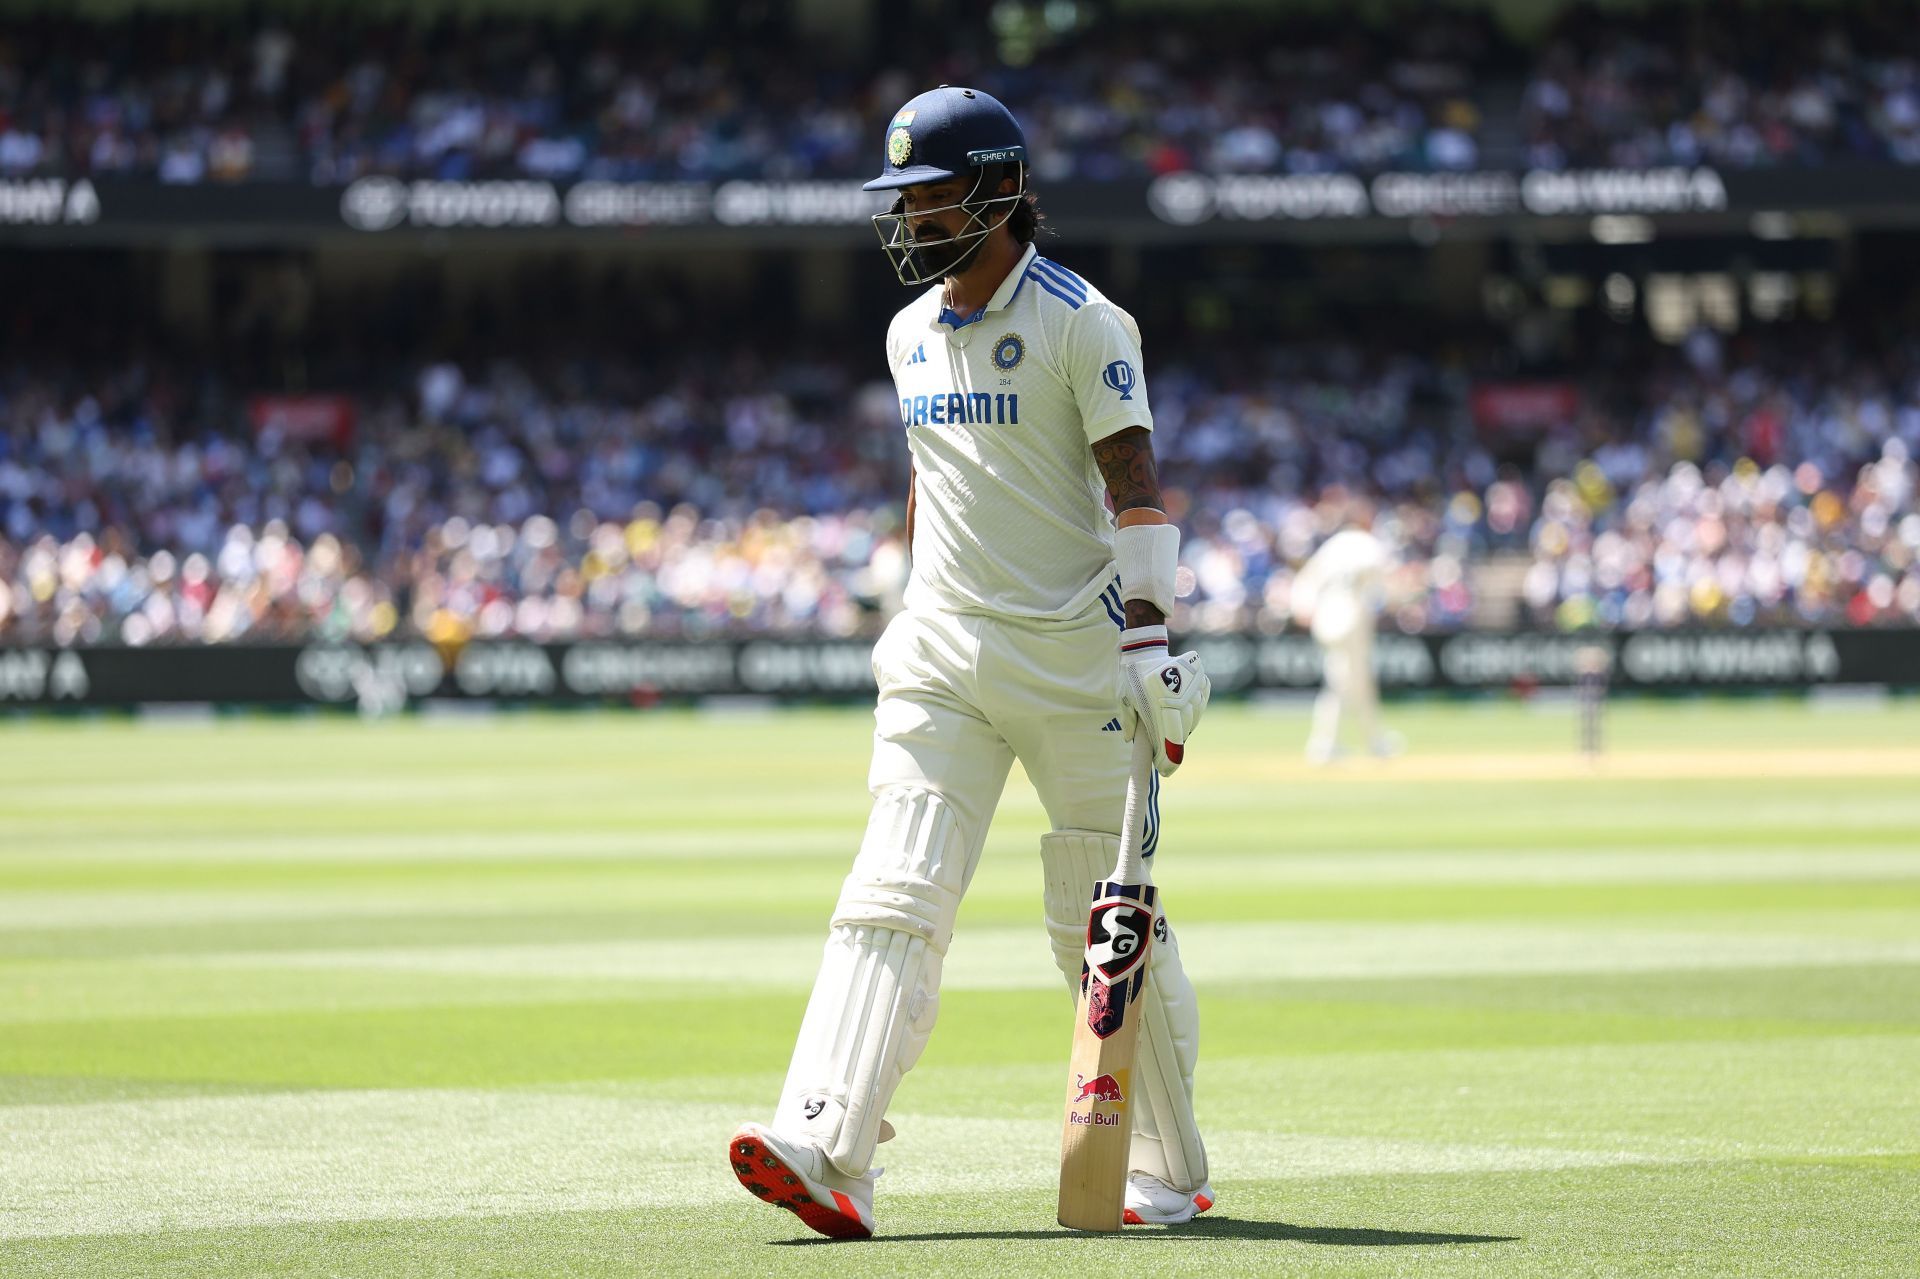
(1351, 696)
(961, 695)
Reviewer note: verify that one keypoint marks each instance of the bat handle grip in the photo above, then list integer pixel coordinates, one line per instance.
(1132, 868)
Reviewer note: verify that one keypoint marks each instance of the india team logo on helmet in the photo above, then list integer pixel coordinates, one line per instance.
(900, 146)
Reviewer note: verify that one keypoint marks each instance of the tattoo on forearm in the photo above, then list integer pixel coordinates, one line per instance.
(1125, 460)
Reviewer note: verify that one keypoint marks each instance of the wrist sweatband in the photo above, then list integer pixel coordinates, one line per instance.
(1147, 556)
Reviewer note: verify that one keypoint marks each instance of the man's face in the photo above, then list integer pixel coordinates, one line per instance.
(925, 225)
(933, 214)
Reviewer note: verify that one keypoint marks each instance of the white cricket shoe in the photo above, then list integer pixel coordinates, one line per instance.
(1152, 1202)
(799, 1178)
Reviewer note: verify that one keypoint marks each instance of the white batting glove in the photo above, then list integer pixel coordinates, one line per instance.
(1169, 693)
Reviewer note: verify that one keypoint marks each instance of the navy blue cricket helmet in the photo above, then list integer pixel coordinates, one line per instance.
(947, 132)
(943, 134)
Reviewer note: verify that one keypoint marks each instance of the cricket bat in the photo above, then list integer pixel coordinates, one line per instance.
(1097, 1135)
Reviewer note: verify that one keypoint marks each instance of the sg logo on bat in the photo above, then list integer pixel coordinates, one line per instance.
(1116, 937)
(1119, 930)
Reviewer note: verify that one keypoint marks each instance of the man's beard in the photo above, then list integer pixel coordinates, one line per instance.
(949, 259)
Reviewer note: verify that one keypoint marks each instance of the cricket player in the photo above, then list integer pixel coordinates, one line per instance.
(1034, 628)
(1339, 592)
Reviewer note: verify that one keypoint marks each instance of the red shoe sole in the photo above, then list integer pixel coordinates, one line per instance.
(762, 1172)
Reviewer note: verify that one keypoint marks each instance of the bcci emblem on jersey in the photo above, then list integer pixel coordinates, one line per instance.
(1008, 352)
(1119, 376)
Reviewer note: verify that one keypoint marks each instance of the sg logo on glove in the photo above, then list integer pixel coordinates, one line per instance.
(1165, 694)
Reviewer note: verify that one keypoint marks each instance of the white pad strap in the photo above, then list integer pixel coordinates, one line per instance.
(1148, 556)
(1166, 1137)
(878, 990)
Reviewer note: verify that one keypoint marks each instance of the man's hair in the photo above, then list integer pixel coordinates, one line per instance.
(1026, 218)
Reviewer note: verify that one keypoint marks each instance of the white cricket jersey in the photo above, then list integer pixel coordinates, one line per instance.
(1341, 584)
(1000, 409)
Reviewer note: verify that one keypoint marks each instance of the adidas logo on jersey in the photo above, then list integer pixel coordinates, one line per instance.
(1111, 726)
(919, 355)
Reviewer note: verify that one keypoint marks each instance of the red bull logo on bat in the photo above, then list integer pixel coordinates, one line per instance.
(1107, 1088)
(1099, 1088)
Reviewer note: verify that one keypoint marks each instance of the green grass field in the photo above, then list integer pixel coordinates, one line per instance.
(474, 998)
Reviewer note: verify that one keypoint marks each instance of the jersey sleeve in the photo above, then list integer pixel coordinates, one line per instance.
(1101, 363)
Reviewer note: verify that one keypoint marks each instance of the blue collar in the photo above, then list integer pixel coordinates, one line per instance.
(954, 320)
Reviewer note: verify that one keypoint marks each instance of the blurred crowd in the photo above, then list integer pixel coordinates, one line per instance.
(682, 511)
(1720, 489)
(188, 99)
(1736, 545)
(494, 505)
(1779, 490)
(1731, 85)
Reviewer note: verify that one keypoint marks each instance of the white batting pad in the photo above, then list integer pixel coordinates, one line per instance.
(913, 866)
(878, 990)
(1166, 1137)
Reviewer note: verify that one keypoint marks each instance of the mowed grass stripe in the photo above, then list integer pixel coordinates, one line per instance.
(537, 1036)
(1006, 959)
(1005, 892)
(393, 861)
(80, 928)
(1249, 1011)
(186, 852)
(146, 795)
(1256, 821)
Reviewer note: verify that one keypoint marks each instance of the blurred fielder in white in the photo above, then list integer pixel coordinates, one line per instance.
(1339, 593)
